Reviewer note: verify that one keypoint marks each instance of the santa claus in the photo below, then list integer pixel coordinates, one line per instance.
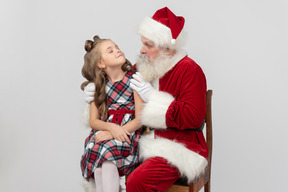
(173, 88)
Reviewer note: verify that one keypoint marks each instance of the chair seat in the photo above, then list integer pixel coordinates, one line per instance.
(182, 185)
(182, 181)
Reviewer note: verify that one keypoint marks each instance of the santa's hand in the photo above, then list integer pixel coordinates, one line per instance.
(142, 87)
(89, 92)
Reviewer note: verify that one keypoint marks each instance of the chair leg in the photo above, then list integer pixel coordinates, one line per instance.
(207, 186)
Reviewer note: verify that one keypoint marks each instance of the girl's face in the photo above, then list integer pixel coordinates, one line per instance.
(111, 55)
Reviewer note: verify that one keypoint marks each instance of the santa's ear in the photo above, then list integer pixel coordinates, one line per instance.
(169, 51)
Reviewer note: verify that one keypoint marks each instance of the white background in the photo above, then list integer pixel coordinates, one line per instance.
(241, 45)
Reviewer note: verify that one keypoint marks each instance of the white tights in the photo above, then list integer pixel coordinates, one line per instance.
(107, 177)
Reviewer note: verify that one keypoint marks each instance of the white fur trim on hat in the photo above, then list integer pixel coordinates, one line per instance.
(189, 163)
(154, 111)
(156, 32)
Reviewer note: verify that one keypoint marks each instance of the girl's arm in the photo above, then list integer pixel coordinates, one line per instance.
(135, 123)
(117, 131)
(95, 122)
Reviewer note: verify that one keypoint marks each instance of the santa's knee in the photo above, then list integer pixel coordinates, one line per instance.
(134, 182)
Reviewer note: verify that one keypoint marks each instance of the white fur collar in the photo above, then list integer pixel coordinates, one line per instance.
(180, 54)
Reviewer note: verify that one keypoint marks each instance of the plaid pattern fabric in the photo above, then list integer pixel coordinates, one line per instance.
(120, 97)
(124, 155)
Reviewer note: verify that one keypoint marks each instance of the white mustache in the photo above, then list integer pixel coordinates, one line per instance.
(144, 57)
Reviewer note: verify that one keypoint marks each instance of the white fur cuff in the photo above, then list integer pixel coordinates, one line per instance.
(154, 111)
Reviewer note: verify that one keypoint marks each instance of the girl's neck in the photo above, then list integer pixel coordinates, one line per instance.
(115, 74)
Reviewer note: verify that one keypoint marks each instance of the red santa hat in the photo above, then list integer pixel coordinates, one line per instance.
(163, 28)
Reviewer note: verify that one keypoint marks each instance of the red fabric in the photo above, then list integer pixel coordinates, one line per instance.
(155, 174)
(170, 20)
(186, 82)
(119, 114)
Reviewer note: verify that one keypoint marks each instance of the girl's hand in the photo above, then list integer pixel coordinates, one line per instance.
(119, 133)
(103, 135)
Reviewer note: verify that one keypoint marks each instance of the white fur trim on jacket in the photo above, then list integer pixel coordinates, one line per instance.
(180, 54)
(154, 111)
(189, 163)
(89, 186)
(86, 114)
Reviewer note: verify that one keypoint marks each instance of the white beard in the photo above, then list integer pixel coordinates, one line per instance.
(151, 69)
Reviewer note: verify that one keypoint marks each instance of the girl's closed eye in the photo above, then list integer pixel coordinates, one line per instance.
(109, 50)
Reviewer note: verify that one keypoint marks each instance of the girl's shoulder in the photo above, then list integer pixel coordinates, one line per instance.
(129, 74)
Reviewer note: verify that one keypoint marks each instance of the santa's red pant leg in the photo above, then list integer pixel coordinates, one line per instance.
(155, 174)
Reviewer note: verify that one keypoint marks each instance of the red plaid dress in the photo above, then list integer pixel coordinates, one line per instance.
(121, 108)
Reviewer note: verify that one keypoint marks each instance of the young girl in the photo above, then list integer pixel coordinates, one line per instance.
(111, 149)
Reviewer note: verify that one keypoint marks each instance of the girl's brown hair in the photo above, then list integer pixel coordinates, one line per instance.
(93, 73)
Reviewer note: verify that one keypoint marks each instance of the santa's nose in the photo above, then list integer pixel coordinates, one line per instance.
(143, 51)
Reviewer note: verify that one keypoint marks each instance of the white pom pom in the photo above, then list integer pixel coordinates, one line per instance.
(173, 41)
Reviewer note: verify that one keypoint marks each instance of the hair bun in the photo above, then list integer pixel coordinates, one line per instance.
(96, 39)
(88, 45)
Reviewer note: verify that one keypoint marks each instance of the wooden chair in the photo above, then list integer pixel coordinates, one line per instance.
(181, 185)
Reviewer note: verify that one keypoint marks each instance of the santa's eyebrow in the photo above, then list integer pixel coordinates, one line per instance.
(149, 43)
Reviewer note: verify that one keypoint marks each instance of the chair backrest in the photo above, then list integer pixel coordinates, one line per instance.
(208, 120)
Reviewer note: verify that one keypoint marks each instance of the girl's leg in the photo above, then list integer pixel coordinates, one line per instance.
(98, 179)
(110, 177)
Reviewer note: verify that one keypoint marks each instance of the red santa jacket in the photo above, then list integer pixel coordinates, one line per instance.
(175, 110)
